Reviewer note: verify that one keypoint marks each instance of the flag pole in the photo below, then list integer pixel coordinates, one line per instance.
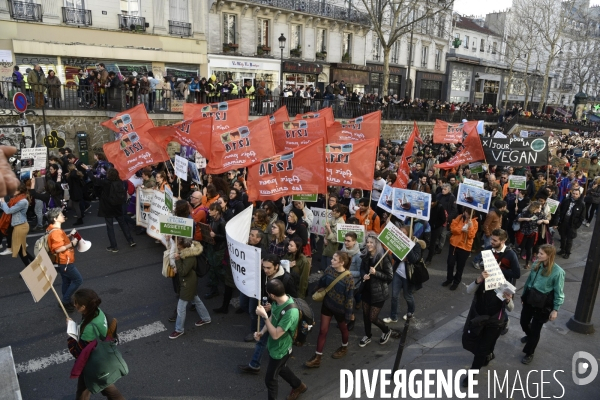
(54, 291)
(411, 228)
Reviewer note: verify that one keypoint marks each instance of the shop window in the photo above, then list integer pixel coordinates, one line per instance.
(263, 33)
(347, 48)
(461, 80)
(229, 28)
(130, 7)
(424, 56)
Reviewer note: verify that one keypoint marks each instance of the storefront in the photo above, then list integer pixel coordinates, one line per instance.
(396, 81)
(356, 77)
(241, 69)
(429, 85)
(296, 74)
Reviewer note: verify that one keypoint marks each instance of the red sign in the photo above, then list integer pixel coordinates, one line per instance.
(351, 164)
(326, 113)
(300, 171)
(472, 151)
(443, 132)
(129, 121)
(195, 133)
(20, 102)
(226, 114)
(360, 128)
(404, 167)
(299, 132)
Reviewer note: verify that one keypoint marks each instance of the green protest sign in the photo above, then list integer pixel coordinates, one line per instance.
(517, 182)
(342, 229)
(476, 168)
(168, 198)
(176, 226)
(395, 240)
(304, 197)
(553, 205)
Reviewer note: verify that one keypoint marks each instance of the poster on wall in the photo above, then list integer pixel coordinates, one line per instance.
(17, 136)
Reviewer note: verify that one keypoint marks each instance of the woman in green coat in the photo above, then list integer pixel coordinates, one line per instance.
(330, 244)
(299, 265)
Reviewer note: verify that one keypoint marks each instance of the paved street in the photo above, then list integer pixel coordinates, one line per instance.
(203, 363)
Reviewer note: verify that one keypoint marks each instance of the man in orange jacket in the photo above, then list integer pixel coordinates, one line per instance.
(463, 229)
(367, 217)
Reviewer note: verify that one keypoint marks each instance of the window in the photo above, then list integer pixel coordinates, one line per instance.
(474, 45)
(466, 41)
(441, 25)
(376, 49)
(78, 4)
(438, 59)
(494, 47)
(347, 46)
(229, 28)
(178, 10)
(482, 45)
(321, 40)
(130, 7)
(263, 32)
(296, 37)
(410, 56)
(395, 52)
(461, 80)
(424, 56)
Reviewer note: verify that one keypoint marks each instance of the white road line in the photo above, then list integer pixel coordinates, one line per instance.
(37, 364)
(68, 229)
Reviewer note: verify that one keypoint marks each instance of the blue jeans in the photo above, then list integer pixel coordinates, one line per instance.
(39, 212)
(259, 347)
(181, 309)
(71, 280)
(401, 284)
(110, 228)
(487, 244)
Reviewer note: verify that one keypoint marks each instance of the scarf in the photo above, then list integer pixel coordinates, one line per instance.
(353, 251)
(6, 217)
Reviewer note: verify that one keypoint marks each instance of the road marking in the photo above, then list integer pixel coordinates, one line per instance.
(67, 229)
(38, 364)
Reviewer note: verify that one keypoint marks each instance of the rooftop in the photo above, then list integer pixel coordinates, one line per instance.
(471, 25)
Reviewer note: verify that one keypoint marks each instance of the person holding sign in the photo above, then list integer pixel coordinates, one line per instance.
(330, 244)
(463, 229)
(542, 297)
(487, 318)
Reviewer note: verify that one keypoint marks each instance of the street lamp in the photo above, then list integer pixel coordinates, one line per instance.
(282, 41)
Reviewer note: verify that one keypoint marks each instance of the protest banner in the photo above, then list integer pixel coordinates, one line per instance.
(476, 167)
(444, 132)
(351, 164)
(517, 182)
(490, 265)
(471, 182)
(181, 167)
(360, 128)
(289, 135)
(386, 199)
(157, 208)
(305, 197)
(523, 134)
(516, 151)
(280, 115)
(411, 203)
(240, 146)
(129, 121)
(192, 133)
(301, 171)
(200, 161)
(39, 275)
(470, 152)
(194, 173)
(320, 216)
(404, 165)
(395, 240)
(552, 205)
(33, 158)
(245, 260)
(143, 201)
(177, 105)
(225, 115)
(169, 198)
(583, 164)
(475, 198)
(342, 229)
(326, 113)
(176, 226)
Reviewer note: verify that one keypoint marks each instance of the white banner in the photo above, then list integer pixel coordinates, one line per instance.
(318, 225)
(244, 259)
(181, 167)
(157, 208)
(143, 201)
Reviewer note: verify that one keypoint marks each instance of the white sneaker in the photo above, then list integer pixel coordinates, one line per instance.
(6, 252)
(389, 320)
(407, 316)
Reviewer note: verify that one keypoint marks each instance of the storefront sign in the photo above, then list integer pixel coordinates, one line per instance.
(379, 69)
(351, 76)
(245, 64)
(432, 77)
(306, 68)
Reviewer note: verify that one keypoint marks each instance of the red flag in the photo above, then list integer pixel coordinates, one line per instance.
(299, 132)
(195, 133)
(280, 115)
(241, 146)
(351, 164)
(472, 151)
(134, 150)
(300, 171)
(418, 133)
(129, 121)
(327, 113)
(225, 115)
(361, 128)
(404, 167)
(443, 132)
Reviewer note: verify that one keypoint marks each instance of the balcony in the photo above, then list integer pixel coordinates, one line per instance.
(321, 55)
(132, 23)
(77, 16)
(180, 28)
(22, 11)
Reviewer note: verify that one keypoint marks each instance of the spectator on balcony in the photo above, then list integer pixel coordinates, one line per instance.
(132, 87)
(37, 82)
(194, 89)
(18, 81)
(53, 89)
(145, 91)
(165, 90)
(182, 89)
(113, 89)
(102, 84)
(152, 95)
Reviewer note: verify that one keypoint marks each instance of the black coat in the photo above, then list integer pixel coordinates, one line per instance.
(438, 216)
(75, 186)
(576, 218)
(378, 283)
(448, 201)
(105, 209)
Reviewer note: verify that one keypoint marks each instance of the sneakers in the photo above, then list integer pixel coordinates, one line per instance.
(364, 341)
(408, 316)
(587, 224)
(132, 244)
(476, 265)
(248, 369)
(202, 322)
(385, 337)
(6, 252)
(390, 320)
(113, 249)
(175, 335)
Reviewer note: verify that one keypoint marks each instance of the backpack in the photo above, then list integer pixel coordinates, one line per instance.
(306, 320)
(117, 194)
(42, 243)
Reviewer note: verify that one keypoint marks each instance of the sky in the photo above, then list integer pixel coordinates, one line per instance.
(482, 7)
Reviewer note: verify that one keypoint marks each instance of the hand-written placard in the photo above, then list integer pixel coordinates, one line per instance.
(490, 265)
(395, 240)
(318, 225)
(553, 205)
(476, 167)
(181, 167)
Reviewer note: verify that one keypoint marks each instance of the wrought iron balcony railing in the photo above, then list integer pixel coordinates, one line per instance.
(132, 23)
(25, 11)
(77, 16)
(180, 28)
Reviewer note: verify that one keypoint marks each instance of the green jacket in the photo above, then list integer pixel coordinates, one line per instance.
(546, 284)
(186, 273)
(36, 82)
(302, 269)
(594, 171)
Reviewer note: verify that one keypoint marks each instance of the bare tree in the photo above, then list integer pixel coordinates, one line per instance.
(392, 19)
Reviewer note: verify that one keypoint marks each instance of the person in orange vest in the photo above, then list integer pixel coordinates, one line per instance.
(367, 217)
(463, 229)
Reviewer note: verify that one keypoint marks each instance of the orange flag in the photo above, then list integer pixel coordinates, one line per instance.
(299, 132)
(351, 164)
(241, 146)
(300, 171)
(326, 113)
(361, 128)
(195, 133)
(280, 115)
(470, 152)
(129, 121)
(134, 150)
(404, 167)
(225, 115)
(443, 132)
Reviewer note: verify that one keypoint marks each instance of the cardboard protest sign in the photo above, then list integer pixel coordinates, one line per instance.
(143, 201)
(326, 113)
(34, 275)
(411, 203)
(472, 182)
(552, 205)
(225, 115)
(583, 164)
(169, 198)
(475, 198)
(444, 132)
(128, 121)
(241, 146)
(360, 128)
(490, 265)
(181, 167)
(320, 217)
(311, 198)
(517, 182)
(395, 240)
(476, 167)
(301, 171)
(289, 135)
(351, 164)
(500, 135)
(516, 151)
(342, 229)
(176, 226)
(33, 158)
(157, 208)
(244, 259)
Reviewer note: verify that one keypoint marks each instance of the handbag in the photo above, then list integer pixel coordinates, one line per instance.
(418, 274)
(320, 294)
(535, 298)
(167, 271)
(516, 226)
